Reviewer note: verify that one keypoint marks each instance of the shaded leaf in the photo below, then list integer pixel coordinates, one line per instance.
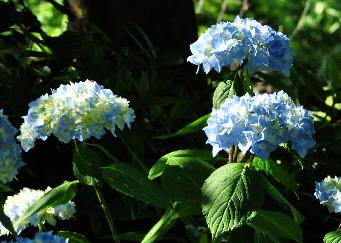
(277, 171)
(73, 237)
(183, 182)
(162, 226)
(86, 165)
(176, 211)
(275, 194)
(276, 224)
(126, 179)
(193, 127)
(5, 188)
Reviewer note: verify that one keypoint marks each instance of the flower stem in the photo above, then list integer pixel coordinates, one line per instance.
(103, 204)
(231, 152)
(235, 153)
(106, 211)
(133, 153)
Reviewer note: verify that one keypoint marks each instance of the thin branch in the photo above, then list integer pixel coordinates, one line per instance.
(61, 8)
(301, 19)
(222, 11)
(199, 6)
(243, 8)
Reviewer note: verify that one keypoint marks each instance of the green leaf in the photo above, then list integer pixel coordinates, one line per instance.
(162, 226)
(56, 196)
(223, 91)
(86, 165)
(277, 225)
(174, 212)
(244, 234)
(183, 182)
(131, 236)
(126, 179)
(277, 171)
(228, 197)
(4, 220)
(176, 158)
(73, 237)
(5, 188)
(276, 195)
(261, 237)
(104, 151)
(193, 127)
(332, 237)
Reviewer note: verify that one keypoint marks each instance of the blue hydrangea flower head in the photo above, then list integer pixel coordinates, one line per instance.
(40, 237)
(242, 41)
(328, 192)
(10, 152)
(15, 206)
(259, 124)
(75, 111)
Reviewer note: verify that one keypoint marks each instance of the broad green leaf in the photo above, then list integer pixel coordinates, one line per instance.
(4, 220)
(228, 197)
(276, 224)
(183, 182)
(126, 179)
(56, 196)
(176, 158)
(73, 237)
(193, 127)
(223, 91)
(277, 171)
(275, 194)
(86, 165)
(332, 237)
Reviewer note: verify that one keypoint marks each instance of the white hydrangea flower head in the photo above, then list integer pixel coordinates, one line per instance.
(75, 111)
(15, 206)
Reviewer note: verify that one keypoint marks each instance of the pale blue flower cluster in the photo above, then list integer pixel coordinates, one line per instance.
(328, 192)
(75, 111)
(259, 124)
(10, 152)
(15, 206)
(242, 41)
(41, 237)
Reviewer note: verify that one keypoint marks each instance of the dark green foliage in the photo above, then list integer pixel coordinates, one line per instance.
(140, 54)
